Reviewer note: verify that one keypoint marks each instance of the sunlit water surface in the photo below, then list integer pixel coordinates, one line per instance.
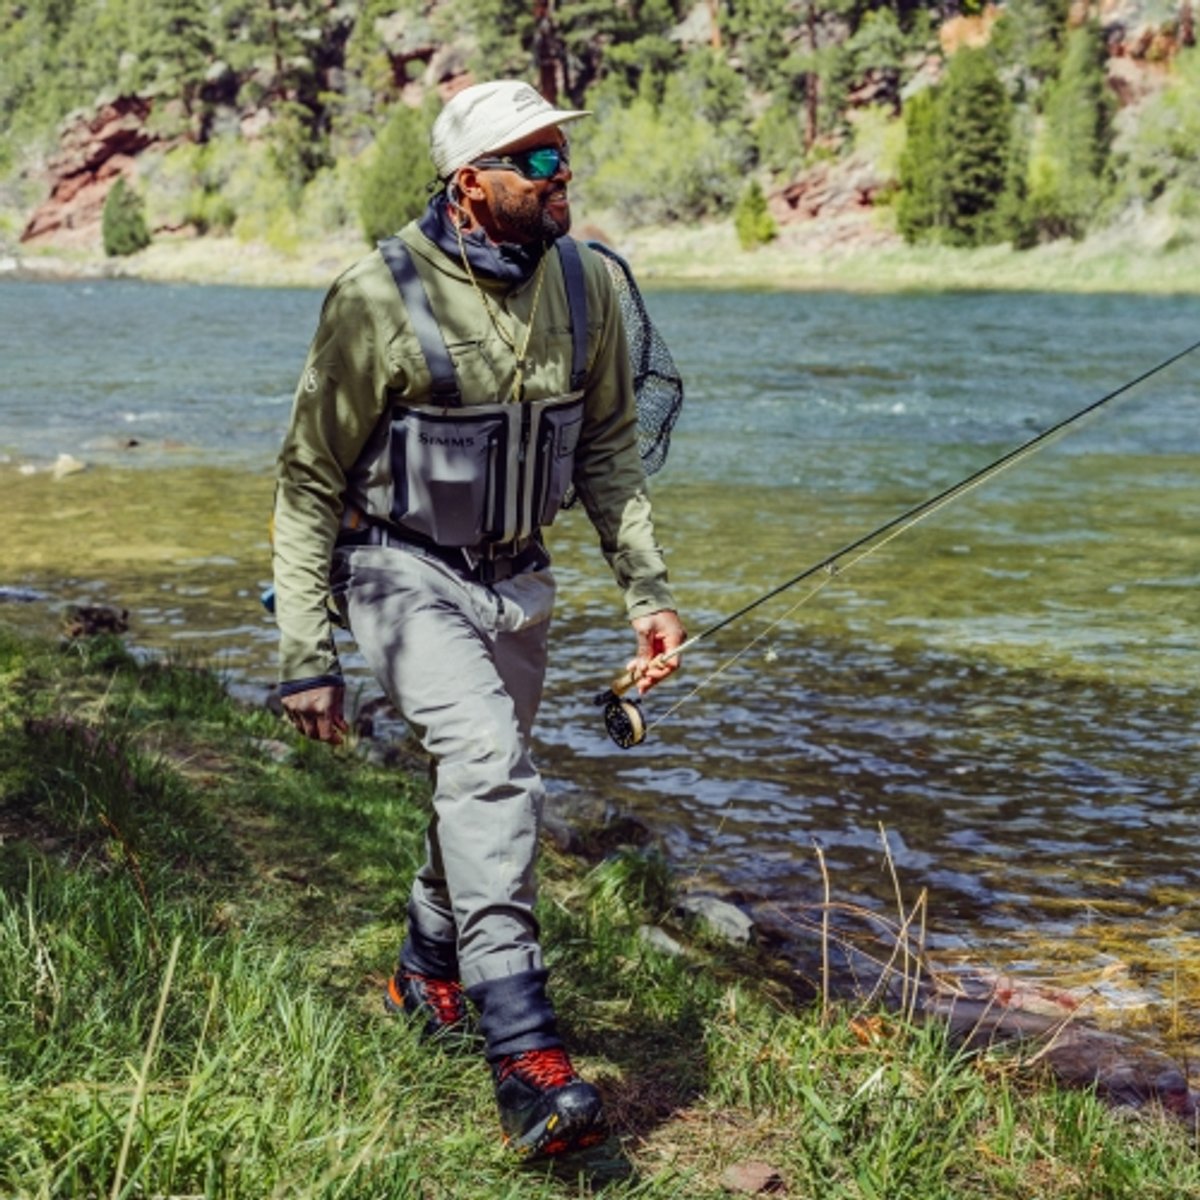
(1009, 691)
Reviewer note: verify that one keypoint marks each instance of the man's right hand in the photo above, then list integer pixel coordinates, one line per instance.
(317, 713)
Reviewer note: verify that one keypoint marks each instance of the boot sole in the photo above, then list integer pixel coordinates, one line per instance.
(555, 1136)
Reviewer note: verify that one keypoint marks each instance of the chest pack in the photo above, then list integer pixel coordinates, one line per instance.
(481, 476)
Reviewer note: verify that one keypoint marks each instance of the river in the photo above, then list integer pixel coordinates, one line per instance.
(1009, 692)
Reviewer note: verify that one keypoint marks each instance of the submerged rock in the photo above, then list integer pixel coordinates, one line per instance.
(88, 620)
(20, 595)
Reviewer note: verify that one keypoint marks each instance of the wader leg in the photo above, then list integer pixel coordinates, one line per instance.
(470, 691)
(431, 946)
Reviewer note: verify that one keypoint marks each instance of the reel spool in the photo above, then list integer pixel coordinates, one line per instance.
(624, 719)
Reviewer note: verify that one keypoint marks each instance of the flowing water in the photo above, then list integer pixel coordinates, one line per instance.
(1009, 692)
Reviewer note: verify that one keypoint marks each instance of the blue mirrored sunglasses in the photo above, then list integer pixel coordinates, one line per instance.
(542, 162)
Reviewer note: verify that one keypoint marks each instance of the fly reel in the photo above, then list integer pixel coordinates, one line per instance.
(624, 719)
(623, 715)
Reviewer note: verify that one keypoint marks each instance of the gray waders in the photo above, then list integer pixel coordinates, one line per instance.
(459, 643)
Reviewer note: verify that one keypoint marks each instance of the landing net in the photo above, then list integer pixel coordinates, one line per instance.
(656, 380)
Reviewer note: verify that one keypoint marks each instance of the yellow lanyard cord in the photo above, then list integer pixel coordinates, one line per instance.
(521, 355)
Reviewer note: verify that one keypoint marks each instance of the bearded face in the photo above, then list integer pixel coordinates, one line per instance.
(527, 211)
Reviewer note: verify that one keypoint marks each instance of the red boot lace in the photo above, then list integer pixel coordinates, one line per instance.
(544, 1069)
(445, 997)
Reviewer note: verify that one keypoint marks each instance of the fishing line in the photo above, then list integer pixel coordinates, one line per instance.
(624, 719)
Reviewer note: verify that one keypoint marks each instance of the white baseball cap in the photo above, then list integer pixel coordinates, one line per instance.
(487, 117)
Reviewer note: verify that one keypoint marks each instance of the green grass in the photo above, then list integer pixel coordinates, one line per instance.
(197, 915)
(810, 258)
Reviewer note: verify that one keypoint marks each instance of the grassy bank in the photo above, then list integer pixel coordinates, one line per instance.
(198, 913)
(851, 254)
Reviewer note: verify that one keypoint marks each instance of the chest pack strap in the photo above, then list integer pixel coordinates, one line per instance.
(429, 334)
(568, 254)
(420, 315)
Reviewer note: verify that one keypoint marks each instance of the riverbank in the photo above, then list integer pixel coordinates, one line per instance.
(857, 254)
(231, 897)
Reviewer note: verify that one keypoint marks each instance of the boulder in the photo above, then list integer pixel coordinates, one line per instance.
(828, 189)
(724, 919)
(659, 939)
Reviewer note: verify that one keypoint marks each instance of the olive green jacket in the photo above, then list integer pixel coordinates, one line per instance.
(364, 358)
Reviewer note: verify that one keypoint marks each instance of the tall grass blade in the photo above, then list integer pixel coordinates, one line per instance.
(144, 1075)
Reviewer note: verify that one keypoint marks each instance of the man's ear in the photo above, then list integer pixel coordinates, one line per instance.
(466, 183)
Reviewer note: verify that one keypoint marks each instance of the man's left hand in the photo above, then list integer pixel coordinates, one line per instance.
(658, 633)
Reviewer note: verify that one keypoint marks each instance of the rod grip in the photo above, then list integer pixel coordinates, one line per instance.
(623, 683)
(627, 678)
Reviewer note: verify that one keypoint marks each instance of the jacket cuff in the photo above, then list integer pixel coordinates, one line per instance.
(644, 606)
(292, 686)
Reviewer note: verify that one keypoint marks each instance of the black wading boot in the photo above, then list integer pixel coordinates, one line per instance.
(440, 1004)
(545, 1108)
(426, 988)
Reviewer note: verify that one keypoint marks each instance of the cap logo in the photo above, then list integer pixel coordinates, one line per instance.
(525, 98)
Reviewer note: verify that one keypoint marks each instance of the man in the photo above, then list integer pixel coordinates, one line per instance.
(462, 378)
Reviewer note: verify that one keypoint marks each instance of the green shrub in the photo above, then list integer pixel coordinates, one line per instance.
(394, 186)
(779, 137)
(1068, 170)
(659, 164)
(266, 208)
(919, 209)
(754, 224)
(123, 223)
(1159, 156)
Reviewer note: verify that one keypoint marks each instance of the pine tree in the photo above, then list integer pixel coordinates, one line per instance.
(877, 51)
(283, 51)
(1014, 216)
(123, 222)
(1067, 175)
(178, 47)
(1028, 38)
(751, 218)
(919, 208)
(976, 124)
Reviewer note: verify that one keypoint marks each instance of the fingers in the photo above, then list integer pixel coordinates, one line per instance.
(317, 713)
(657, 635)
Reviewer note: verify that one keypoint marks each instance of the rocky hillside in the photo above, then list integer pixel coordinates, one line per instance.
(260, 120)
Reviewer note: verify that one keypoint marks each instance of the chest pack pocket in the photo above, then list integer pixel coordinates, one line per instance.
(481, 475)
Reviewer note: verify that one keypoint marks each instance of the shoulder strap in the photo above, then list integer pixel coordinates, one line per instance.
(572, 266)
(422, 321)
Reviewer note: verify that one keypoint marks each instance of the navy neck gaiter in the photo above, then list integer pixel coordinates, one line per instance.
(506, 261)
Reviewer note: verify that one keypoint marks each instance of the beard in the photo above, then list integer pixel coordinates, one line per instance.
(524, 216)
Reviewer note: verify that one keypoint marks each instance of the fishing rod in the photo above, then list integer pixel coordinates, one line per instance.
(623, 715)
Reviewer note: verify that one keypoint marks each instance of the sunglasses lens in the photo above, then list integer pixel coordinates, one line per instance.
(543, 162)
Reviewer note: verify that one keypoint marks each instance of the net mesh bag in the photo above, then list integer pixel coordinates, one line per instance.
(656, 380)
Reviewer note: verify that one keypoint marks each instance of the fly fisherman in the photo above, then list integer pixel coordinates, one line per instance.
(463, 376)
